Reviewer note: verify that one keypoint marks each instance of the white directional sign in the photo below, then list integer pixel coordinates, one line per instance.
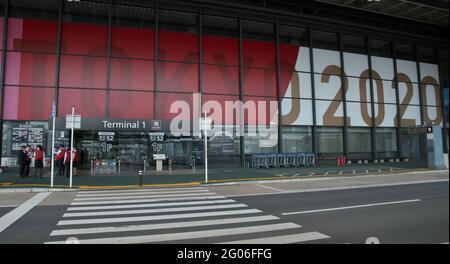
(76, 122)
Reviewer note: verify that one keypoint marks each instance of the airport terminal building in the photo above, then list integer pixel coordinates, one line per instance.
(348, 78)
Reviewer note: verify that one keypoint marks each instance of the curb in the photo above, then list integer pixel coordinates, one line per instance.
(230, 182)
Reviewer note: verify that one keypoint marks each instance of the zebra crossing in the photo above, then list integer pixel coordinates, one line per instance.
(170, 215)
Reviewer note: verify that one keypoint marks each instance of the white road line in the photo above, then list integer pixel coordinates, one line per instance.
(311, 174)
(296, 174)
(141, 190)
(187, 235)
(155, 217)
(352, 207)
(271, 188)
(326, 173)
(280, 175)
(137, 193)
(287, 239)
(183, 224)
(148, 200)
(130, 206)
(17, 213)
(151, 211)
(141, 196)
(8, 206)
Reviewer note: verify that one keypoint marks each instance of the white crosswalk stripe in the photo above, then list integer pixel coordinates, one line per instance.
(170, 214)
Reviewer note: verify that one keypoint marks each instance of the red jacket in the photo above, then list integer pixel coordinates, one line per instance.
(60, 154)
(39, 155)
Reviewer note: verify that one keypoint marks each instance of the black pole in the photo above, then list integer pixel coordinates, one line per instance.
(241, 86)
(344, 93)
(397, 97)
(372, 103)
(315, 147)
(279, 95)
(108, 58)
(2, 74)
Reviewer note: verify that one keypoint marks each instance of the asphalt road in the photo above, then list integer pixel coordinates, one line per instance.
(413, 213)
(405, 221)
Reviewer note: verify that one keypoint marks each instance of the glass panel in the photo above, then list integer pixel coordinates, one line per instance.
(328, 87)
(325, 40)
(260, 110)
(380, 48)
(139, 105)
(131, 74)
(16, 134)
(426, 55)
(167, 101)
(256, 142)
(404, 51)
(177, 77)
(330, 113)
(386, 139)
(79, 35)
(32, 35)
(30, 69)
(220, 40)
(220, 79)
(132, 34)
(359, 140)
(260, 82)
(330, 140)
(83, 72)
(216, 106)
(295, 84)
(293, 54)
(87, 103)
(178, 36)
(258, 46)
(2, 12)
(297, 139)
(19, 103)
(354, 44)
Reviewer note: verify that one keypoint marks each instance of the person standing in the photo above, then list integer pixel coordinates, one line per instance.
(67, 158)
(22, 161)
(29, 156)
(60, 160)
(76, 162)
(38, 161)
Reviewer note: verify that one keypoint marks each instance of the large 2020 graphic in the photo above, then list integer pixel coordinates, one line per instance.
(331, 82)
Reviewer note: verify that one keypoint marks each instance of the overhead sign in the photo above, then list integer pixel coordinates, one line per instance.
(156, 137)
(106, 136)
(76, 122)
(97, 124)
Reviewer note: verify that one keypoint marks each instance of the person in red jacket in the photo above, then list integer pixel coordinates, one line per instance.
(66, 162)
(39, 156)
(60, 160)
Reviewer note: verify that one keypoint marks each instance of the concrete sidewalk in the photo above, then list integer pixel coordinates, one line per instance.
(188, 177)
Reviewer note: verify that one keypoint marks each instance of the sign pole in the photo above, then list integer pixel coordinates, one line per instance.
(206, 149)
(52, 169)
(71, 147)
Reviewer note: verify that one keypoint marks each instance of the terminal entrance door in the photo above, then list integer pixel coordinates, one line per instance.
(413, 145)
(133, 149)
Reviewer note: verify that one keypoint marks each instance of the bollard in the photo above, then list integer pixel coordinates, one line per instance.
(141, 173)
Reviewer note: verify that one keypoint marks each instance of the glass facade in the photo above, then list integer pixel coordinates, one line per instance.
(115, 61)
